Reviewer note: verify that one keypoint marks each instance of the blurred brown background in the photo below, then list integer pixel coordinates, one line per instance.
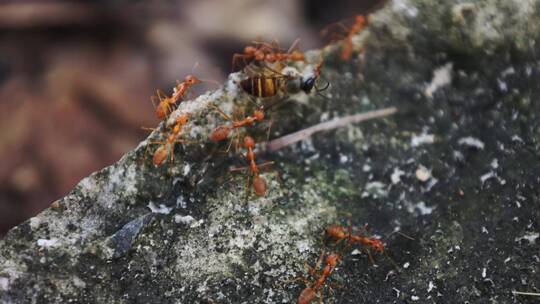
(76, 77)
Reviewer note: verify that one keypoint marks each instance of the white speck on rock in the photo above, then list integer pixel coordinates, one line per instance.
(484, 230)
(431, 286)
(530, 237)
(35, 222)
(484, 272)
(187, 169)
(422, 173)
(375, 189)
(415, 298)
(471, 142)
(487, 176)
(4, 283)
(421, 207)
(162, 209)
(47, 243)
(366, 168)
(78, 282)
(343, 159)
(406, 265)
(356, 252)
(422, 139)
(405, 6)
(185, 220)
(396, 175)
(517, 138)
(303, 246)
(441, 78)
(494, 163)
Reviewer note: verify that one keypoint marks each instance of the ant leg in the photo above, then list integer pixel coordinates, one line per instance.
(213, 106)
(370, 256)
(392, 261)
(270, 123)
(293, 45)
(314, 270)
(248, 183)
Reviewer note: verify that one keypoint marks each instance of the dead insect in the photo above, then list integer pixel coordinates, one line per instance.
(264, 82)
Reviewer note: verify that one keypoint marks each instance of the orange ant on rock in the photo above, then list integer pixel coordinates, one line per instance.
(341, 233)
(166, 147)
(222, 132)
(268, 52)
(309, 293)
(259, 183)
(167, 104)
(360, 23)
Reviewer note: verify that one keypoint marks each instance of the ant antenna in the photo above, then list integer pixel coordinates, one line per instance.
(400, 233)
(323, 89)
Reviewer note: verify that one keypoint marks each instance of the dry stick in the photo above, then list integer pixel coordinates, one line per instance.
(292, 138)
(535, 294)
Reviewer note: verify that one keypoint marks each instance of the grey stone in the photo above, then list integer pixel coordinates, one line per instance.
(464, 77)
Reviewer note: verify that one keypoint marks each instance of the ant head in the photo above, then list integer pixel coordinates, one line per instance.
(360, 20)
(308, 84)
(336, 231)
(190, 79)
(259, 55)
(250, 49)
(249, 142)
(377, 245)
(259, 115)
(332, 259)
(182, 119)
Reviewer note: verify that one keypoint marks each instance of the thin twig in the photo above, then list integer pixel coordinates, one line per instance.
(534, 294)
(292, 138)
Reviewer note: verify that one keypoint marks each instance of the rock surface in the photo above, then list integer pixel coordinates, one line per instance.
(458, 169)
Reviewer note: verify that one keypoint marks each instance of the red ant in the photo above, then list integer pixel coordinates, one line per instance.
(222, 132)
(360, 22)
(263, 51)
(310, 293)
(259, 183)
(166, 104)
(341, 233)
(166, 147)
